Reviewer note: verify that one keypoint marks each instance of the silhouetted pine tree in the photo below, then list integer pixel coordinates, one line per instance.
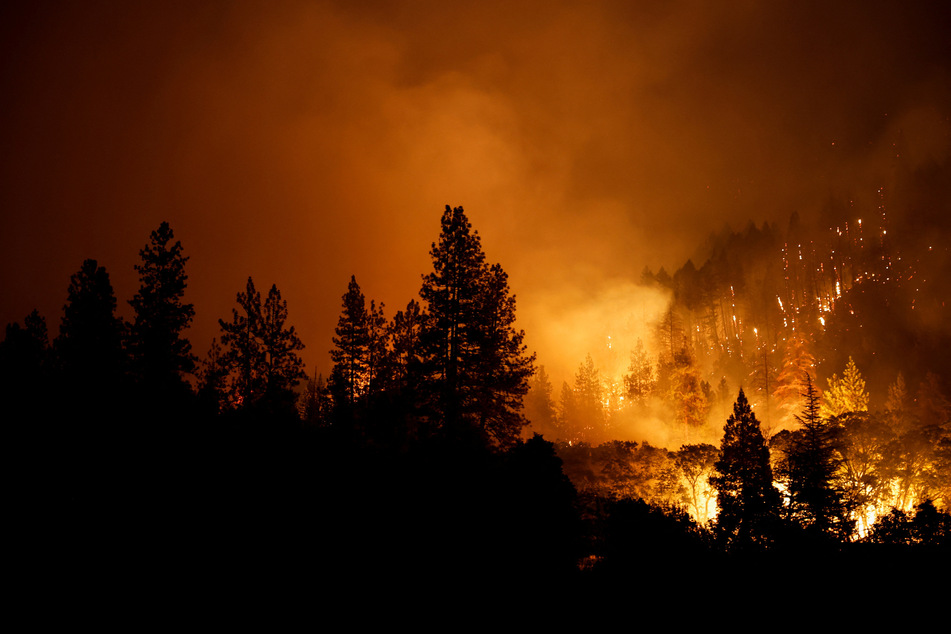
(405, 400)
(476, 368)
(25, 375)
(283, 367)
(404, 333)
(160, 353)
(349, 378)
(89, 345)
(213, 377)
(503, 365)
(812, 468)
(539, 406)
(244, 355)
(96, 451)
(23, 354)
(361, 359)
(749, 503)
(262, 352)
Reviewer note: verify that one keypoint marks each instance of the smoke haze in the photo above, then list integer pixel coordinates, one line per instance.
(302, 142)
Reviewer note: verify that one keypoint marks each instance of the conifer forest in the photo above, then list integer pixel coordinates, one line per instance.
(680, 335)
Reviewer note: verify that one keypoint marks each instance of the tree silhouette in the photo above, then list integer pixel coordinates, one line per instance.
(89, 345)
(503, 365)
(405, 400)
(929, 527)
(812, 467)
(349, 378)
(404, 334)
(23, 351)
(476, 367)
(361, 356)
(567, 415)
(588, 402)
(748, 501)
(261, 351)
(283, 367)
(669, 332)
(245, 354)
(24, 369)
(94, 452)
(213, 374)
(539, 406)
(160, 354)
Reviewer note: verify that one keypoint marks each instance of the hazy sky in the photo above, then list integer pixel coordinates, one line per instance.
(302, 142)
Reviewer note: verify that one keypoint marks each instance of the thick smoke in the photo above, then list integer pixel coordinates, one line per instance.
(306, 142)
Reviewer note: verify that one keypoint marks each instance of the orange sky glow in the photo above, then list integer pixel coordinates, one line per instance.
(302, 142)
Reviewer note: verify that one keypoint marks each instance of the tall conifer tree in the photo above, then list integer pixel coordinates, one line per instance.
(160, 354)
(89, 344)
(349, 379)
(748, 501)
(476, 366)
(404, 333)
(283, 367)
(262, 350)
(812, 468)
(244, 355)
(846, 394)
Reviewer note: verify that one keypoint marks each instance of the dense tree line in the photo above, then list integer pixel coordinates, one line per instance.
(147, 459)
(413, 453)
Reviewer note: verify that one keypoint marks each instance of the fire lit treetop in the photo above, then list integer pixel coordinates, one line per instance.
(846, 394)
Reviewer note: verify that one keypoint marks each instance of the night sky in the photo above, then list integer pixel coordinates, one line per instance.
(302, 142)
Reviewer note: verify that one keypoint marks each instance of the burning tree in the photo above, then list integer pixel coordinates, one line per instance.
(588, 402)
(684, 390)
(640, 382)
(846, 394)
(798, 361)
(898, 405)
(696, 463)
